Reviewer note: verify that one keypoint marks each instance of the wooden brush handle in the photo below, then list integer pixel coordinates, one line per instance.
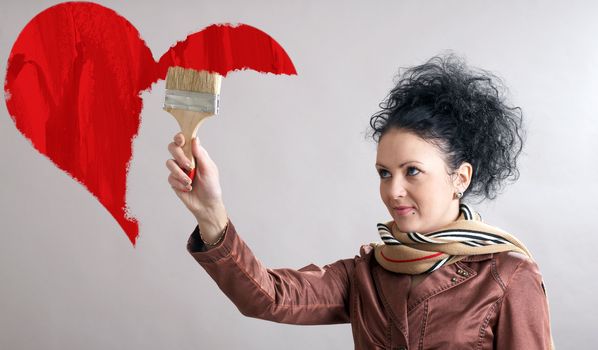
(189, 122)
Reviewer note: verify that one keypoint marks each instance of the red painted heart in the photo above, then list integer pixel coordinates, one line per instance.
(74, 79)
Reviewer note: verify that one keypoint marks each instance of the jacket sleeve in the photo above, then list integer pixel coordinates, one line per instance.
(310, 295)
(523, 320)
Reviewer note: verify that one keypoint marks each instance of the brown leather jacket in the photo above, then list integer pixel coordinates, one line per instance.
(492, 301)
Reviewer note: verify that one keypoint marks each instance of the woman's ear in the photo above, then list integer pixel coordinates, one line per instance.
(463, 176)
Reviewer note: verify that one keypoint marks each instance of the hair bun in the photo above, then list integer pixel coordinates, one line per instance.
(462, 109)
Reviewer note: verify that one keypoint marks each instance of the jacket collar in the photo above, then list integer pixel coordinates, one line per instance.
(394, 292)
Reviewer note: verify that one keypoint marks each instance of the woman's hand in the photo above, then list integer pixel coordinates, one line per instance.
(201, 195)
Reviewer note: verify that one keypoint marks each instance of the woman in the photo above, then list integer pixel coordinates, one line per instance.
(441, 279)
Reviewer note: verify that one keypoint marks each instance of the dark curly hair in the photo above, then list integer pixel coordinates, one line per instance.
(462, 111)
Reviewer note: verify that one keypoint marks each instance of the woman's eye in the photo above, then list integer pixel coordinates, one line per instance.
(382, 173)
(412, 171)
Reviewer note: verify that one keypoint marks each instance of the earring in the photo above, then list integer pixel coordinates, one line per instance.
(459, 195)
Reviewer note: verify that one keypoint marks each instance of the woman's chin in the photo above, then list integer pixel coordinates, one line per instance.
(405, 225)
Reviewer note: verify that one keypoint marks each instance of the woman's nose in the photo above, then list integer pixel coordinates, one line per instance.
(397, 189)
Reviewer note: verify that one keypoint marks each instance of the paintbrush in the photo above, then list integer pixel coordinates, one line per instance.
(191, 97)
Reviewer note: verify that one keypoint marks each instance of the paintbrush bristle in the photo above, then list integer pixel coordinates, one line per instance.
(179, 78)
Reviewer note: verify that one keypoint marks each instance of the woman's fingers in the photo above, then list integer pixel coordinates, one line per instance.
(179, 139)
(177, 173)
(175, 148)
(176, 184)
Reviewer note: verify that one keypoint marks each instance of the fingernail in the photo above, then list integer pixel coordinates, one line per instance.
(188, 165)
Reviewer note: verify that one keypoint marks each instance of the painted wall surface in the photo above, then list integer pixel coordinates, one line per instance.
(296, 169)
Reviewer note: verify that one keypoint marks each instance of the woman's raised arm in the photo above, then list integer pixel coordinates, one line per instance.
(310, 295)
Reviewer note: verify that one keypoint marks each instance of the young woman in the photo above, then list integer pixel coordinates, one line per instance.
(441, 278)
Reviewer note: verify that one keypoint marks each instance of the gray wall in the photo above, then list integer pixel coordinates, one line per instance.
(297, 173)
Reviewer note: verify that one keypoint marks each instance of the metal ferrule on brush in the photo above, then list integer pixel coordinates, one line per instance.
(192, 101)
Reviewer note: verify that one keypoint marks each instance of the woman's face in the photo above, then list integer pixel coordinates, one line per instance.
(414, 176)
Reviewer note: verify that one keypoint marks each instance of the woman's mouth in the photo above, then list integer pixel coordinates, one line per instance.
(402, 211)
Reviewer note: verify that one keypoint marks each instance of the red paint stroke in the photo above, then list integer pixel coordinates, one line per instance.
(225, 48)
(73, 85)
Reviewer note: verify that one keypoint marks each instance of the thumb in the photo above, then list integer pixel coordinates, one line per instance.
(201, 155)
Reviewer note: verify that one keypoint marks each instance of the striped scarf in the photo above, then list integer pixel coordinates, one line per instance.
(414, 253)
